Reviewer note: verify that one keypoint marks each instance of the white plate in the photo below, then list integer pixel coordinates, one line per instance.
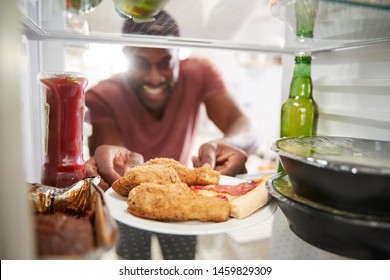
(117, 205)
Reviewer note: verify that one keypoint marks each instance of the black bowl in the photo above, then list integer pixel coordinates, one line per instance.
(346, 173)
(344, 233)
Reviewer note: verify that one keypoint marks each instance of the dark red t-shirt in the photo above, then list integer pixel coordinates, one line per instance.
(113, 100)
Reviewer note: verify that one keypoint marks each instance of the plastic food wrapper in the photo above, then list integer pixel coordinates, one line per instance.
(45, 199)
(83, 201)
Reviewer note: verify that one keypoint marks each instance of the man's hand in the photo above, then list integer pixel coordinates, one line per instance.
(221, 156)
(111, 162)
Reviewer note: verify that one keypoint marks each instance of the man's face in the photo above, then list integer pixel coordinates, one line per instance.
(153, 73)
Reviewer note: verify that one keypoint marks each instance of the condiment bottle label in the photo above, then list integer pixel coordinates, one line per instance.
(46, 119)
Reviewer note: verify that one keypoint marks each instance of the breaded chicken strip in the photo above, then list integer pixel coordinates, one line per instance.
(175, 202)
(158, 174)
(196, 176)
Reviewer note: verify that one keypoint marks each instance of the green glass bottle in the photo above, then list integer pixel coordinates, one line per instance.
(299, 113)
(305, 15)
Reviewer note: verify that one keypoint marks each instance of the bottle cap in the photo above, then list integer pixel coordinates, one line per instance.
(302, 53)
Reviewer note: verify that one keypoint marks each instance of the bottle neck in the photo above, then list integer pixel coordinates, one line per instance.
(301, 84)
(302, 69)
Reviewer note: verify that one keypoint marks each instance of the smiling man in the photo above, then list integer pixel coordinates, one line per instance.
(153, 109)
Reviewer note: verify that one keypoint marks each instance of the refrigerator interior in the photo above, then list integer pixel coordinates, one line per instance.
(352, 89)
(254, 45)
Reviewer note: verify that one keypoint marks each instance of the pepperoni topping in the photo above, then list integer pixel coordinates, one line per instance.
(222, 197)
(234, 190)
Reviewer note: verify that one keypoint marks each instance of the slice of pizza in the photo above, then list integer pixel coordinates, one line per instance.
(244, 198)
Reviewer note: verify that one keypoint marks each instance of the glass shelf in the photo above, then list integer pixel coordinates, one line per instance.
(250, 25)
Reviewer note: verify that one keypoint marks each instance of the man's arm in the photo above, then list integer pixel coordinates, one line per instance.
(104, 134)
(235, 125)
(229, 154)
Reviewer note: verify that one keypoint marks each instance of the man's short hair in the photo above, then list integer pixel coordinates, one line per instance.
(163, 25)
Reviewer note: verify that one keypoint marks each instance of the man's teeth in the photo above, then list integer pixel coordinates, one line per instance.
(153, 90)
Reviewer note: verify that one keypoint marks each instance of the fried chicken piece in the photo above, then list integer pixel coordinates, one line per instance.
(175, 202)
(158, 174)
(196, 176)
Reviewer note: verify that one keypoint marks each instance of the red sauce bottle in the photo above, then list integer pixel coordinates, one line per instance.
(64, 115)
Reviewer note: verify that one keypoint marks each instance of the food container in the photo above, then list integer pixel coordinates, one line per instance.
(344, 233)
(72, 223)
(81, 6)
(346, 173)
(139, 10)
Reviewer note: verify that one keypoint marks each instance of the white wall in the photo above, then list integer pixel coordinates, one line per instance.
(352, 88)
